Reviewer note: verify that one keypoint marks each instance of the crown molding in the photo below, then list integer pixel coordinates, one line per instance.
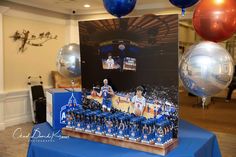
(141, 9)
(3, 9)
(35, 17)
(33, 10)
(135, 13)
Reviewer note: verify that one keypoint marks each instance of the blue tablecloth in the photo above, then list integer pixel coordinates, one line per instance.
(193, 142)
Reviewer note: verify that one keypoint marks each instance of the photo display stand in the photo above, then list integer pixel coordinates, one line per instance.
(130, 83)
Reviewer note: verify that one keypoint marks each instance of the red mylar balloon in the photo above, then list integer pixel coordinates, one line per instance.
(215, 20)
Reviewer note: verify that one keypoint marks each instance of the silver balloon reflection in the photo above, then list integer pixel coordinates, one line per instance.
(68, 61)
(206, 69)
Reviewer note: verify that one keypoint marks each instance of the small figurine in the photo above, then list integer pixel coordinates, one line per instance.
(70, 119)
(148, 108)
(121, 128)
(100, 126)
(109, 126)
(80, 120)
(148, 131)
(159, 135)
(135, 128)
(154, 112)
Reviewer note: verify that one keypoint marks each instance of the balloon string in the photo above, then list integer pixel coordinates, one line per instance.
(73, 86)
(183, 11)
(203, 102)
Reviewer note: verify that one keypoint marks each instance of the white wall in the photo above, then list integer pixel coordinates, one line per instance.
(16, 108)
(35, 60)
(2, 95)
(14, 98)
(72, 31)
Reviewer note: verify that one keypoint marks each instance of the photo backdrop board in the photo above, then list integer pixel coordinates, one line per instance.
(132, 52)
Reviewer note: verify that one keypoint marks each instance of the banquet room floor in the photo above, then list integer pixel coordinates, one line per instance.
(219, 117)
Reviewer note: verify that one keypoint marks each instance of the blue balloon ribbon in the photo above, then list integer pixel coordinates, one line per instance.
(183, 4)
(183, 11)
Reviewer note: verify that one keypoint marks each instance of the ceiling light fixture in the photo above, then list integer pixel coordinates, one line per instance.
(87, 6)
(219, 1)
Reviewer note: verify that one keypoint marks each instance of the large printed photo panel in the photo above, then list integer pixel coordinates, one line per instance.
(131, 65)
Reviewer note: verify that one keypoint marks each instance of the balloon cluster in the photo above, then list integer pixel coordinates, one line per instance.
(207, 68)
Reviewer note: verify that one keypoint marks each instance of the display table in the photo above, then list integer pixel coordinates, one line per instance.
(193, 142)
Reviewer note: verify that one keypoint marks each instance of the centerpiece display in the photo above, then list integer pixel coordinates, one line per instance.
(129, 69)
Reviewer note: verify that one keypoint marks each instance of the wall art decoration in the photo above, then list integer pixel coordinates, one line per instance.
(27, 38)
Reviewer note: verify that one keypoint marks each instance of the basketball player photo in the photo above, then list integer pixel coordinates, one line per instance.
(138, 102)
(106, 93)
(110, 62)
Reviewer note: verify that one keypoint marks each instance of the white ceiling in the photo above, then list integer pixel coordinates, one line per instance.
(67, 6)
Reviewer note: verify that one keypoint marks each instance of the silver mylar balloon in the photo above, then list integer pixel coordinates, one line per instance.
(206, 69)
(69, 61)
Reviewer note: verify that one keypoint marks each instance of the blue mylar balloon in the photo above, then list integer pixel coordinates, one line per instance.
(183, 4)
(119, 7)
